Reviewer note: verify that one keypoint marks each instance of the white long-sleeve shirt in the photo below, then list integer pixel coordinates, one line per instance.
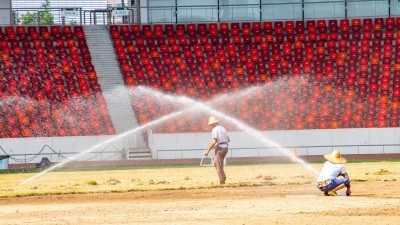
(330, 171)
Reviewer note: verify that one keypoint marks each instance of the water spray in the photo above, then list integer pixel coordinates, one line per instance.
(192, 106)
(144, 126)
(241, 125)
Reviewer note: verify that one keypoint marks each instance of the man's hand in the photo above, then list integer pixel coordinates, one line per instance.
(211, 146)
(348, 192)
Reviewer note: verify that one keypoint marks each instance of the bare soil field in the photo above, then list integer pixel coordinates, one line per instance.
(254, 194)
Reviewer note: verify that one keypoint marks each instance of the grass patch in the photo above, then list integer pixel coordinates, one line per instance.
(372, 160)
(359, 180)
(91, 182)
(382, 172)
(177, 166)
(16, 171)
(108, 168)
(113, 181)
(181, 177)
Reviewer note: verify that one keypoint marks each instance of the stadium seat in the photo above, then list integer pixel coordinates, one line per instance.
(345, 60)
(46, 44)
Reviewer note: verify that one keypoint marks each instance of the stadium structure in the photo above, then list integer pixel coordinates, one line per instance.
(323, 75)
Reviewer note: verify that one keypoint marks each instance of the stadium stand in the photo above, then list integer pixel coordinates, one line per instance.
(319, 74)
(48, 85)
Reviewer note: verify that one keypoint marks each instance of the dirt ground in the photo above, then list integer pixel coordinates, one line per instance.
(375, 200)
(374, 203)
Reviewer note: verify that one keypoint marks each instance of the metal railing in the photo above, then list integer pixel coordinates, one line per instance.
(301, 10)
(302, 150)
(44, 16)
(59, 156)
(66, 16)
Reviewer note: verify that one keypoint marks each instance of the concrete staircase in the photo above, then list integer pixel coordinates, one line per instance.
(139, 153)
(111, 80)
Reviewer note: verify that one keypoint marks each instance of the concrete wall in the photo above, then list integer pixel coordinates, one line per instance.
(307, 142)
(5, 6)
(192, 145)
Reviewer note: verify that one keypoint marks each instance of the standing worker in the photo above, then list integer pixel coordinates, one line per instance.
(328, 180)
(220, 139)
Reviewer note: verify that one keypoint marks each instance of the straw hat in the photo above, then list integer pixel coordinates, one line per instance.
(335, 157)
(212, 120)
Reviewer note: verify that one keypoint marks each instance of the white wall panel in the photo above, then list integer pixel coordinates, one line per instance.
(192, 145)
(307, 142)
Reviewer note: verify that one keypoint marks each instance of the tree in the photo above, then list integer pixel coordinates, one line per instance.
(17, 18)
(42, 17)
(28, 19)
(46, 18)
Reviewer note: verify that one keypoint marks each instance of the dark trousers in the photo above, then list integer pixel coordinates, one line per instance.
(220, 154)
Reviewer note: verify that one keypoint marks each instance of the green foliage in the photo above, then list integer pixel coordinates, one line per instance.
(28, 18)
(46, 18)
(41, 17)
(73, 23)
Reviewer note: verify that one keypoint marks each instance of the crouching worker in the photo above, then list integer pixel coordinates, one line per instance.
(328, 180)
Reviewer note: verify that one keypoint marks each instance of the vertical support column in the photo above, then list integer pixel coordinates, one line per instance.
(108, 16)
(12, 16)
(139, 9)
(80, 16)
(176, 11)
(38, 17)
(218, 11)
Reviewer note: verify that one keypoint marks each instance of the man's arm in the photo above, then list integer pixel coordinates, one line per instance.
(346, 175)
(348, 191)
(211, 146)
